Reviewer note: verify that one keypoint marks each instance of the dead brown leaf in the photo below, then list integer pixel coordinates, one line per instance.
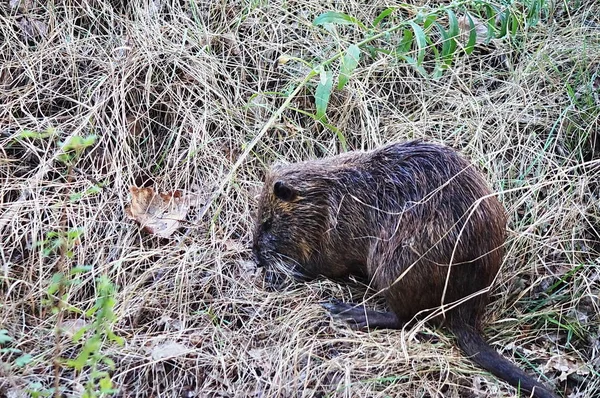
(134, 125)
(32, 29)
(567, 366)
(262, 358)
(169, 349)
(232, 245)
(158, 214)
(22, 5)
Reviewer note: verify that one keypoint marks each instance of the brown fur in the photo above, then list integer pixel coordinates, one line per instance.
(415, 218)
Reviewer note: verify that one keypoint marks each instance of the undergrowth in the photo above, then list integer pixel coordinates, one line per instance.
(201, 97)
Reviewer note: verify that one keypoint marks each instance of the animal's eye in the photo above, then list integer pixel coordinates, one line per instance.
(267, 224)
(284, 191)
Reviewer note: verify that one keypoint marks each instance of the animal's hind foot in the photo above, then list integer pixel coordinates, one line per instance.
(360, 317)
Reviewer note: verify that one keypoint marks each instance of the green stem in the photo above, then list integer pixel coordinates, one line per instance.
(226, 182)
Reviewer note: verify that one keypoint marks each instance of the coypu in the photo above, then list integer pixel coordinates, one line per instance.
(415, 218)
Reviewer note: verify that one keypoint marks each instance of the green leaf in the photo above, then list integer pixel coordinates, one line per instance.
(514, 24)
(80, 269)
(421, 42)
(453, 27)
(65, 158)
(349, 63)
(4, 337)
(490, 20)
(23, 360)
(79, 334)
(445, 42)
(504, 18)
(78, 143)
(75, 233)
(50, 132)
(413, 62)
(420, 17)
(106, 385)
(116, 339)
(55, 283)
(36, 389)
(98, 374)
(337, 18)
(109, 362)
(74, 197)
(323, 93)
(448, 43)
(89, 313)
(382, 15)
(89, 140)
(472, 36)
(91, 346)
(439, 65)
(429, 20)
(10, 350)
(533, 17)
(453, 31)
(405, 42)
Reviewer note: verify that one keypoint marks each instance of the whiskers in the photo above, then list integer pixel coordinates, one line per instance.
(280, 271)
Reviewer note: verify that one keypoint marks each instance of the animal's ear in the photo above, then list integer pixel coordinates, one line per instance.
(284, 192)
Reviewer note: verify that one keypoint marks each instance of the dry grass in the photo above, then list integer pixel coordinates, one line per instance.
(174, 90)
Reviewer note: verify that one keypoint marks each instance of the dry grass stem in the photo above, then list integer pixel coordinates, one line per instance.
(190, 96)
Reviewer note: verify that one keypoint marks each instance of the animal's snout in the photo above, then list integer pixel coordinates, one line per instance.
(256, 257)
(262, 247)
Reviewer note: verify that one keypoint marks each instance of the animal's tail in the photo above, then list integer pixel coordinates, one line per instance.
(473, 344)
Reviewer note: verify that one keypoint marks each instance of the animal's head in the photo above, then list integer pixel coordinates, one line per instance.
(292, 222)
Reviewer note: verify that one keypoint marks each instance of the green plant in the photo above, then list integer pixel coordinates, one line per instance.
(23, 358)
(100, 330)
(62, 243)
(418, 35)
(55, 240)
(36, 390)
(93, 336)
(423, 32)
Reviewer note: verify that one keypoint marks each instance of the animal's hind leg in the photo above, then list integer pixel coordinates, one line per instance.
(361, 317)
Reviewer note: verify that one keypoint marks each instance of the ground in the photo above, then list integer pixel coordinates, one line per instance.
(99, 96)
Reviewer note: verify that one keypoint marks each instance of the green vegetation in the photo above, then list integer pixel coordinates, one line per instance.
(196, 97)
